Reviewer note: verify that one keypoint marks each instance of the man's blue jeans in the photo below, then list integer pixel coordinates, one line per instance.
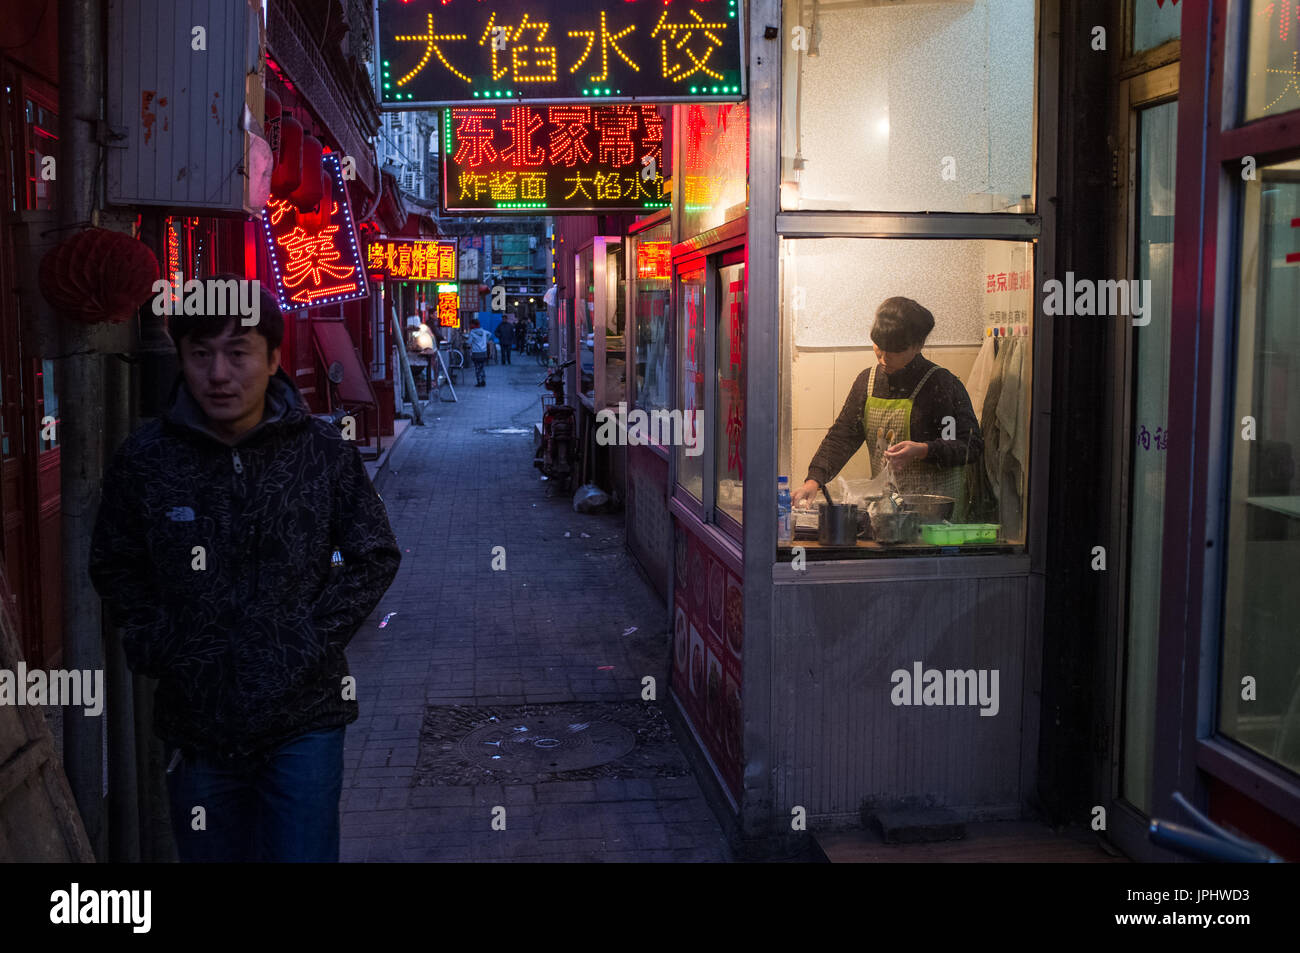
(283, 810)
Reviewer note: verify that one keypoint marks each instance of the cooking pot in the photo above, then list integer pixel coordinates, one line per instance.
(929, 507)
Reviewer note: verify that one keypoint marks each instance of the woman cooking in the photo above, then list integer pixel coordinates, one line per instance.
(898, 406)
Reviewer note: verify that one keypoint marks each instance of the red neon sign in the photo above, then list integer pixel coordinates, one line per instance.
(448, 309)
(314, 263)
(531, 158)
(653, 259)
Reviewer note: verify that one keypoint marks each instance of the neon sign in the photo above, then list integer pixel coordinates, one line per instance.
(653, 259)
(448, 309)
(531, 159)
(314, 264)
(441, 52)
(412, 260)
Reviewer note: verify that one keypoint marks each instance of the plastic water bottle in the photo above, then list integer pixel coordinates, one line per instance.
(783, 533)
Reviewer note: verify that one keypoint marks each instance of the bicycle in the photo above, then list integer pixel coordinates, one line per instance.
(1207, 840)
(455, 359)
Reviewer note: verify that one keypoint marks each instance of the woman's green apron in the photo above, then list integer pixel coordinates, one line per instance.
(883, 416)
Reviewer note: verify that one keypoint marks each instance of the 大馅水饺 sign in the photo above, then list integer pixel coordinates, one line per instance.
(411, 260)
(441, 52)
(313, 263)
(530, 159)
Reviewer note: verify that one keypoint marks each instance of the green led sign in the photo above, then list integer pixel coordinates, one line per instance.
(444, 52)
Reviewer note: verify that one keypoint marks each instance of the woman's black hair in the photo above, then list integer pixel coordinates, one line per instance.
(901, 323)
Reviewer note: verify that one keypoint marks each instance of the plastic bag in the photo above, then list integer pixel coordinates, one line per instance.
(589, 498)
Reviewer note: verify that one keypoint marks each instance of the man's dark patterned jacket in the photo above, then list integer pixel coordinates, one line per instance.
(247, 636)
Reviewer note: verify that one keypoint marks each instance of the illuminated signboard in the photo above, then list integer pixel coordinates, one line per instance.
(441, 52)
(448, 306)
(412, 260)
(314, 264)
(534, 159)
(653, 259)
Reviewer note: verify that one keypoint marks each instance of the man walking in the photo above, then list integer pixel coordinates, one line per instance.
(478, 351)
(506, 337)
(240, 545)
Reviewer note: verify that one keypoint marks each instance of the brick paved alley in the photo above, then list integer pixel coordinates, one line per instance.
(547, 630)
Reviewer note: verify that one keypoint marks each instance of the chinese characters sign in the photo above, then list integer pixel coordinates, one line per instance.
(531, 159)
(438, 52)
(653, 259)
(448, 309)
(314, 263)
(412, 260)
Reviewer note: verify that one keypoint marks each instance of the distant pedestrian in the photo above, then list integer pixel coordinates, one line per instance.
(478, 351)
(506, 336)
(521, 333)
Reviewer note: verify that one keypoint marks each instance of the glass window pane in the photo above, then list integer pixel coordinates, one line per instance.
(615, 324)
(730, 423)
(1272, 73)
(715, 157)
(1157, 136)
(690, 376)
(1261, 599)
(42, 144)
(972, 414)
(586, 317)
(908, 107)
(1155, 22)
(50, 407)
(651, 293)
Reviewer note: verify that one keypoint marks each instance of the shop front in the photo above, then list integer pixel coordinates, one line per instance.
(795, 215)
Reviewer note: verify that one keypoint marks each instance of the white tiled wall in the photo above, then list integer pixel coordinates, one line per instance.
(820, 383)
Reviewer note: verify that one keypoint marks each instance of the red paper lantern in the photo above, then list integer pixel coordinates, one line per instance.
(288, 170)
(98, 275)
(315, 220)
(308, 193)
(271, 122)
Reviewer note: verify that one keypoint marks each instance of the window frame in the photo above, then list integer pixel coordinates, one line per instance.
(1206, 289)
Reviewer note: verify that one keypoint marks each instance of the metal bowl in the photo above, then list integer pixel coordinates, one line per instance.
(929, 507)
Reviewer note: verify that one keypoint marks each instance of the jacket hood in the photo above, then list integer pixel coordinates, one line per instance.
(285, 407)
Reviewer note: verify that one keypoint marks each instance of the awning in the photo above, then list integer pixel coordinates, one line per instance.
(333, 343)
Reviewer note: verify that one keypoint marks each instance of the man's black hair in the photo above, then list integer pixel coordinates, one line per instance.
(270, 322)
(901, 323)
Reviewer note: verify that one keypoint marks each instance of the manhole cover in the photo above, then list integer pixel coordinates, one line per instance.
(528, 744)
(547, 743)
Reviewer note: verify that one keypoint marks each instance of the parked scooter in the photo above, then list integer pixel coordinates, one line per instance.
(555, 453)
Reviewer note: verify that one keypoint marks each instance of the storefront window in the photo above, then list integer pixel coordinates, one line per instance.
(729, 441)
(908, 107)
(651, 291)
(715, 165)
(691, 332)
(1260, 679)
(1155, 22)
(1148, 453)
(972, 412)
(586, 316)
(1272, 51)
